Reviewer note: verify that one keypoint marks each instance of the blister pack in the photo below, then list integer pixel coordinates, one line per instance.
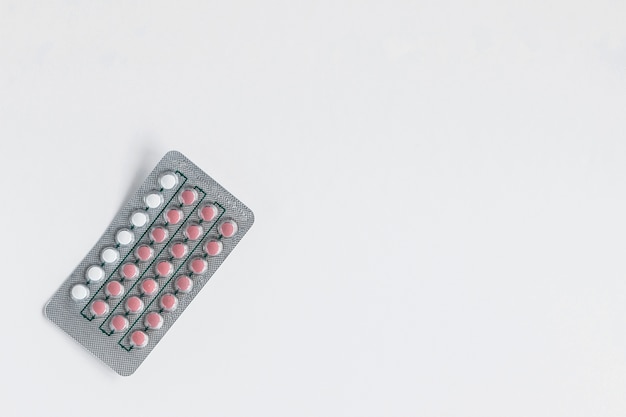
(150, 263)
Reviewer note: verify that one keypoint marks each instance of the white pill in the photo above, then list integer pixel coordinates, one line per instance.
(139, 218)
(124, 237)
(153, 200)
(79, 292)
(110, 255)
(94, 273)
(168, 180)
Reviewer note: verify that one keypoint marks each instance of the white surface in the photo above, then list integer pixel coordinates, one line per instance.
(439, 190)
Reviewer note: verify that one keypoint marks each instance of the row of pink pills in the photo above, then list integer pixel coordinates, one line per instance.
(154, 320)
(168, 302)
(135, 305)
(183, 283)
(192, 231)
(130, 271)
(100, 308)
(125, 237)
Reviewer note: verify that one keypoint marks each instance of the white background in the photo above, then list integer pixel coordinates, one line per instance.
(439, 190)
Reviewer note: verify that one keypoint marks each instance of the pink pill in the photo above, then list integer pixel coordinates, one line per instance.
(179, 250)
(169, 302)
(99, 308)
(188, 196)
(183, 284)
(148, 286)
(198, 265)
(227, 228)
(213, 247)
(129, 271)
(153, 320)
(207, 212)
(158, 234)
(193, 231)
(138, 339)
(173, 215)
(134, 304)
(164, 268)
(144, 253)
(118, 323)
(114, 289)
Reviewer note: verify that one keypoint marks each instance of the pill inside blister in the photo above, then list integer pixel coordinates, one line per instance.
(148, 286)
(227, 228)
(144, 253)
(134, 305)
(164, 269)
(138, 339)
(99, 308)
(94, 273)
(207, 212)
(118, 323)
(173, 215)
(79, 292)
(169, 302)
(198, 265)
(129, 271)
(178, 250)
(183, 284)
(124, 237)
(153, 320)
(188, 196)
(110, 255)
(168, 180)
(139, 218)
(213, 247)
(193, 231)
(153, 199)
(114, 289)
(158, 234)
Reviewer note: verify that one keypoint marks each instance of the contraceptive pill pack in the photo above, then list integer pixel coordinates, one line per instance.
(150, 263)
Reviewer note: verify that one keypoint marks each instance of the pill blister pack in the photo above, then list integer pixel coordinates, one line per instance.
(152, 260)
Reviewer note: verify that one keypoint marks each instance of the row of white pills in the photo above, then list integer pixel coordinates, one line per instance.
(212, 247)
(125, 236)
